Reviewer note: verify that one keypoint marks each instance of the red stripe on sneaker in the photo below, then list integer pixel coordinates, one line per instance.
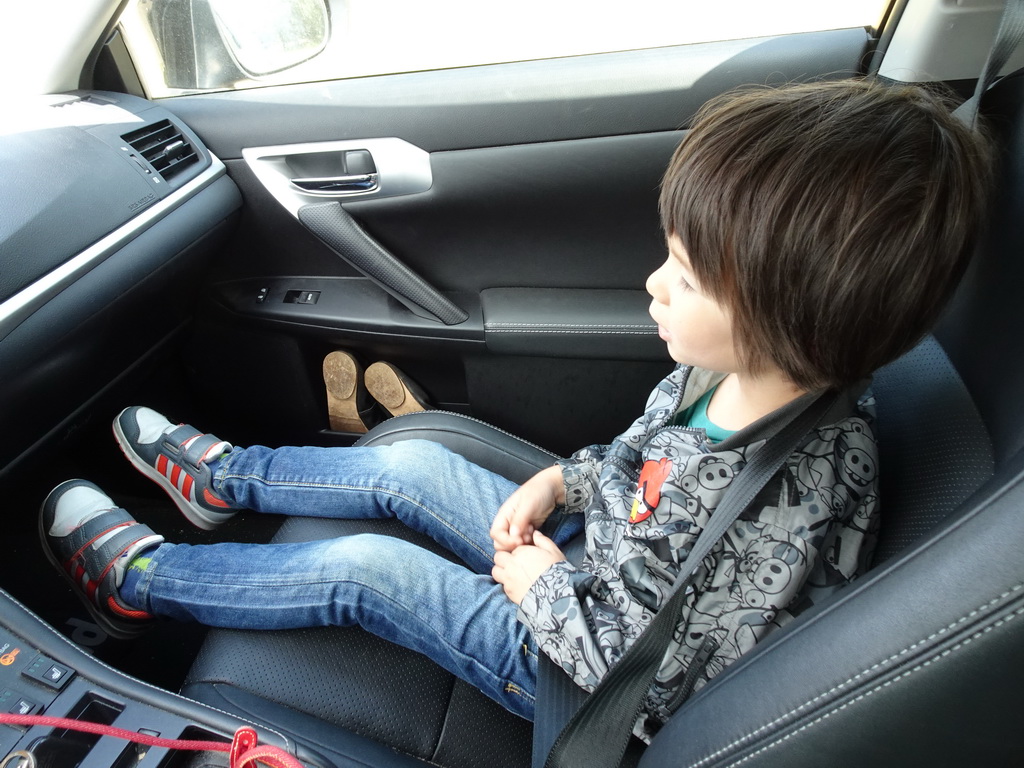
(186, 488)
(126, 612)
(161, 464)
(212, 500)
(175, 475)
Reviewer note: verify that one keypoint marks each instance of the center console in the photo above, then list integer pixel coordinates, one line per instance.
(43, 673)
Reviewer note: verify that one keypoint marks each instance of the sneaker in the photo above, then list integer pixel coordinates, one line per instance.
(394, 390)
(174, 456)
(91, 541)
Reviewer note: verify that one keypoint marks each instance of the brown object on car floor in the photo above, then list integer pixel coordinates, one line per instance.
(342, 375)
(392, 389)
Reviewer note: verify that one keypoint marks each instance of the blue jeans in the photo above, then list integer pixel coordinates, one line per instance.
(453, 613)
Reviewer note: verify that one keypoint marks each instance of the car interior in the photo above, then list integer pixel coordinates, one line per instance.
(488, 230)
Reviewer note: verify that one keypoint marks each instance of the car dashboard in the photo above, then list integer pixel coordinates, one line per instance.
(111, 210)
(111, 207)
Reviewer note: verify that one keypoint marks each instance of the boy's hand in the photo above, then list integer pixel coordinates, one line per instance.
(527, 509)
(517, 570)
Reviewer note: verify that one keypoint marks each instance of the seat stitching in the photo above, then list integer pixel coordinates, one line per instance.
(926, 663)
(873, 668)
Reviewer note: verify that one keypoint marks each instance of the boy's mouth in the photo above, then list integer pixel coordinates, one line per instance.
(662, 331)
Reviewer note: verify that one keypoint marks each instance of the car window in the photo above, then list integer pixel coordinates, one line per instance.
(208, 45)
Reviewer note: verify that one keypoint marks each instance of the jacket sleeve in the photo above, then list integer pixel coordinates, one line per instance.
(581, 634)
(580, 474)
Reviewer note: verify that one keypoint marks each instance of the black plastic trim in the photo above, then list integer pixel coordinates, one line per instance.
(571, 322)
(354, 305)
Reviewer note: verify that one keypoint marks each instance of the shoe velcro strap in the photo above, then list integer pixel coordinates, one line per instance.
(97, 560)
(195, 453)
(120, 542)
(95, 527)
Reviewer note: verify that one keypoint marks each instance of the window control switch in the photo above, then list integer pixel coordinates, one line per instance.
(301, 297)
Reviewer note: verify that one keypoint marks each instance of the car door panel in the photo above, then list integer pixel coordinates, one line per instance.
(519, 103)
(529, 250)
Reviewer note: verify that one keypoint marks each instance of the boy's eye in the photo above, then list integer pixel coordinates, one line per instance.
(685, 285)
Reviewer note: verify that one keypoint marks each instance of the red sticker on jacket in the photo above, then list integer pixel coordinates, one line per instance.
(648, 489)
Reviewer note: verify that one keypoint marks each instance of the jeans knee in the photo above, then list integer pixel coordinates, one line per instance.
(416, 451)
(360, 553)
(422, 459)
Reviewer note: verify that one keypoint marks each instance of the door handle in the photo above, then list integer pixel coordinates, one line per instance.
(302, 174)
(338, 185)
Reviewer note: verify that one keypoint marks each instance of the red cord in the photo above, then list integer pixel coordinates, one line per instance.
(243, 750)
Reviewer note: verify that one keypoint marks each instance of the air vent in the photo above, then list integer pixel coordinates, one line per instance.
(163, 145)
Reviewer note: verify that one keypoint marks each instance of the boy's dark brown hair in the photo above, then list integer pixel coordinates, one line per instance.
(832, 219)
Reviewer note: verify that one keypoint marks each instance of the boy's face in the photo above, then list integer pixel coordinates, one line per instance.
(697, 329)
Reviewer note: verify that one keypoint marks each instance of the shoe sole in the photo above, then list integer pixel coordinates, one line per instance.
(388, 387)
(194, 516)
(341, 378)
(117, 631)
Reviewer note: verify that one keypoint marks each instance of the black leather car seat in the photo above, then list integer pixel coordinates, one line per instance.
(335, 685)
(919, 662)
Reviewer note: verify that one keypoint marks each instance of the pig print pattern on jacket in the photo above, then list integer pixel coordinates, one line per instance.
(647, 497)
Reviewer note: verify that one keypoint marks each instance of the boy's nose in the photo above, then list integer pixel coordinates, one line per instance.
(655, 283)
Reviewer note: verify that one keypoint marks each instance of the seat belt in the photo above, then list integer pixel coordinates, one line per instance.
(1008, 37)
(599, 729)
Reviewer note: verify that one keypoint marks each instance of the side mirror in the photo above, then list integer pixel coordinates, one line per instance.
(213, 44)
(267, 36)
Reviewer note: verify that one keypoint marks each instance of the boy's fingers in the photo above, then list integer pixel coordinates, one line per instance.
(499, 571)
(503, 521)
(503, 541)
(504, 515)
(543, 542)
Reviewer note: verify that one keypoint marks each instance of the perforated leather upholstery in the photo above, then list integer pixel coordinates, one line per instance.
(935, 450)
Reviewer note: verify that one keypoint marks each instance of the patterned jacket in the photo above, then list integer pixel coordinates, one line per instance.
(646, 498)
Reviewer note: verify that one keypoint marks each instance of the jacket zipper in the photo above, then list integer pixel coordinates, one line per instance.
(704, 446)
(627, 467)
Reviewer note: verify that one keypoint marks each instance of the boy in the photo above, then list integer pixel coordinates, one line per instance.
(814, 233)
